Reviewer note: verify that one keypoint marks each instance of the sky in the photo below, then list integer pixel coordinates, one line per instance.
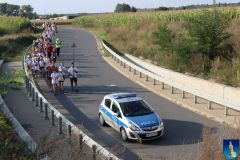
(98, 6)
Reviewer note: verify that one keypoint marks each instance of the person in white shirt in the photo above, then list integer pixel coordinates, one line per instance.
(55, 81)
(42, 66)
(73, 76)
(29, 62)
(36, 68)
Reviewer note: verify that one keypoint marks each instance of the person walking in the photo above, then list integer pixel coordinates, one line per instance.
(61, 81)
(55, 82)
(58, 46)
(62, 72)
(73, 76)
(42, 66)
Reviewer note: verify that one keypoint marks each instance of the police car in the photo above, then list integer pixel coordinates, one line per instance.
(131, 116)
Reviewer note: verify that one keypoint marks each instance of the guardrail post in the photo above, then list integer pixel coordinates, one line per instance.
(26, 82)
(146, 77)
(121, 63)
(30, 89)
(124, 65)
(140, 74)
(129, 69)
(33, 94)
(195, 99)
(115, 58)
(69, 131)
(183, 94)
(134, 71)
(162, 84)
(80, 138)
(226, 111)
(94, 148)
(52, 118)
(172, 89)
(41, 105)
(46, 111)
(209, 105)
(36, 104)
(27, 85)
(154, 82)
(60, 125)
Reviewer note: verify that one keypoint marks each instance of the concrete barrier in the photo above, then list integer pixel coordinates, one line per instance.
(213, 92)
(22, 133)
(227, 93)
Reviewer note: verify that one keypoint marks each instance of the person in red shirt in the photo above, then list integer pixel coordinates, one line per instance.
(49, 51)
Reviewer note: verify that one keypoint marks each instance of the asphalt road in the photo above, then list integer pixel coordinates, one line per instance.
(96, 78)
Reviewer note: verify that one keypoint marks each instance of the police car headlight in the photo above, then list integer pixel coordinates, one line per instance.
(161, 124)
(133, 127)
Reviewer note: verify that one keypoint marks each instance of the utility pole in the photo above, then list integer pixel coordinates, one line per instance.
(73, 46)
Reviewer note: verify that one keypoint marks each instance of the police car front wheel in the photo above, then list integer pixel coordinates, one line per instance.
(101, 120)
(124, 135)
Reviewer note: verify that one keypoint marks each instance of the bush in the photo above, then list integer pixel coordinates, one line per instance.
(163, 37)
(208, 31)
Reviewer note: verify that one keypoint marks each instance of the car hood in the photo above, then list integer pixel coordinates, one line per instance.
(144, 121)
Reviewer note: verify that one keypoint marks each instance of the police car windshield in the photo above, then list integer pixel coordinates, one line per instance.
(135, 108)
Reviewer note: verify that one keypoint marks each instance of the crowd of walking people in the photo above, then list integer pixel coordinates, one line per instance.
(43, 60)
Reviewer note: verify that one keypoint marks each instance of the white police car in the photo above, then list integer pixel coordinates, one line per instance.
(131, 116)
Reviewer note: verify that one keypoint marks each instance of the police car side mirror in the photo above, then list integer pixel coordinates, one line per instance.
(119, 115)
(115, 114)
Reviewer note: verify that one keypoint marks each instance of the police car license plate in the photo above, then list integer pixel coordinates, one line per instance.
(151, 134)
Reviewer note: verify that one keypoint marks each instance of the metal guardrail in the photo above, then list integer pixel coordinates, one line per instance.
(47, 107)
(226, 103)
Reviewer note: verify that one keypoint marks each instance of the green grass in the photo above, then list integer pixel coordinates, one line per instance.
(16, 34)
(13, 25)
(12, 48)
(11, 147)
(118, 19)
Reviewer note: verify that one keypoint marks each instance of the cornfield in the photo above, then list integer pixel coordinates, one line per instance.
(9, 25)
(117, 19)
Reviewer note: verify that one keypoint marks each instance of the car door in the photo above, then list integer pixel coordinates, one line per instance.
(106, 111)
(116, 119)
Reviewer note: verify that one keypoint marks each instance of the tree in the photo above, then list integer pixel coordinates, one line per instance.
(123, 8)
(208, 31)
(162, 9)
(27, 11)
(134, 9)
(13, 10)
(9, 9)
(3, 8)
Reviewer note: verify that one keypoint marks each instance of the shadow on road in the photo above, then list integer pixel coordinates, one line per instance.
(103, 89)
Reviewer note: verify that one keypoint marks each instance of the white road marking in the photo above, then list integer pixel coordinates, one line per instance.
(111, 85)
